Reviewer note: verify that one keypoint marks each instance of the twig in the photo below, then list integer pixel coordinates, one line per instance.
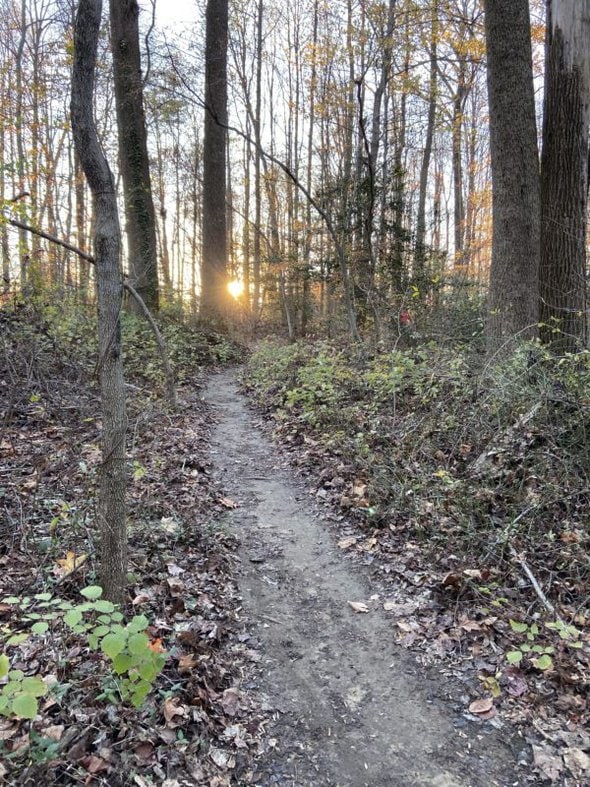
(536, 587)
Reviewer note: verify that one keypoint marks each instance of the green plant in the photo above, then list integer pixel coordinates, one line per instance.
(540, 655)
(19, 694)
(135, 660)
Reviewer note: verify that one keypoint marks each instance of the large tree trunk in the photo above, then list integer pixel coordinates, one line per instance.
(514, 275)
(107, 251)
(133, 154)
(214, 294)
(564, 176)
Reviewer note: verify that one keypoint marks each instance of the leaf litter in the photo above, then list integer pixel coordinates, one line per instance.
(199, 725)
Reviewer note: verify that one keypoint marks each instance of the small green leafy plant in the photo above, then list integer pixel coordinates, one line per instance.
(19, 695)
(135, 660)
(540, 655)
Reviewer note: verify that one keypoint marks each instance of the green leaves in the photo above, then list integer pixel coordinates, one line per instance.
(92, 592)
(113, 644)
(18, 697)
(136, 662)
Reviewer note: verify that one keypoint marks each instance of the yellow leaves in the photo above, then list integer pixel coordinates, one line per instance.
(67, 565)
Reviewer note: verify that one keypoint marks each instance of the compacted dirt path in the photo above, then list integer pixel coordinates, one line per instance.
(351, 707)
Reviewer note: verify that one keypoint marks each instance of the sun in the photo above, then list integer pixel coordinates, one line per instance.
(235, 288)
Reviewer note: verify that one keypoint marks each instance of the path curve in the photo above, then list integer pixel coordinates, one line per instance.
(353, 709)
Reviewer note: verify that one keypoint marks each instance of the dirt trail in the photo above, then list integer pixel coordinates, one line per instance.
(353, 709)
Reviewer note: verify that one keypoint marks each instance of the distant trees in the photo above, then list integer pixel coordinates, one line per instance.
(564, 175)
(514, 272)
(133, 151)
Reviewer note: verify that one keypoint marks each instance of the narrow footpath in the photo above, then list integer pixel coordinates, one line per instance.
(352, 708)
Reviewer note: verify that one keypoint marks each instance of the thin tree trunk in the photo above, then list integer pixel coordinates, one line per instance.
(133, 153)
(420, 250)
(107, 245)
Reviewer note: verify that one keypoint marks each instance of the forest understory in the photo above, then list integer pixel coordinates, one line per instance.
(455, 494)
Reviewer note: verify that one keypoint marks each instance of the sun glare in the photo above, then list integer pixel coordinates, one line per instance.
(236, 288)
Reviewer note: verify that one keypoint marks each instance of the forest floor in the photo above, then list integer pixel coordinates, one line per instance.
(351, 707)
(303, 649)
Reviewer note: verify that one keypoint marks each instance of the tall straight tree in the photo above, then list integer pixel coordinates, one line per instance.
(214, 294)
(133, 154)
(564, 175)
(514, 273)
(107, 252)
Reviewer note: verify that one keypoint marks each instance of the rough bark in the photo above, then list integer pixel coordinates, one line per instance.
(214, 294)
(514, 274)
(107, 252)
(564, 176)
(133, 153)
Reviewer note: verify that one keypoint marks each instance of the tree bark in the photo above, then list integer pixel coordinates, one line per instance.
(214, 294)
(514, 274)
(420, 250)
(564, 176)
(107, 246)
(133, 153)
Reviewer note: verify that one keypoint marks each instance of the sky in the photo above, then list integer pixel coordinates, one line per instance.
(171, 13)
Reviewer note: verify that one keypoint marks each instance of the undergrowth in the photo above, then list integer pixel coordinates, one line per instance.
(473, 459)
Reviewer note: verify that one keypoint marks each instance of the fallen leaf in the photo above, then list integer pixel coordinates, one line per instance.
(145, 750)
(517, 685)
(222, 758)
(186, 663)
(344, 543)
(172, 708)
(156, 646)
(480, 706)
(577, 761)
(547, 762)
(474, 573)
(358, 606)
(230, 701)
(54, 732)
(94, 764)
(69, 564)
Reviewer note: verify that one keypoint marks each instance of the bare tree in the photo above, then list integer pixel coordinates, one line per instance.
(564, 175)
(133, 154)
(107, 251)
(514, 275)
(214, 295)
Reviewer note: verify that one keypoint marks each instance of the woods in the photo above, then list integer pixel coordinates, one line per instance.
(375, 211)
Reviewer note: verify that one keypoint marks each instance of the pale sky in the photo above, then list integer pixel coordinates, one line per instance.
(173, 12)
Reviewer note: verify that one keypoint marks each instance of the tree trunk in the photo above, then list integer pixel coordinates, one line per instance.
(564, 176)
(133, 154)
(514, 274)
(107, 251)
(214, 294)
(420, 250)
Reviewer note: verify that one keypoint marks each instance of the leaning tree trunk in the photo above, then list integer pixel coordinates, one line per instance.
(107, 248)
(214, 294)
(564, 176)
(133, 152)
(514, 274)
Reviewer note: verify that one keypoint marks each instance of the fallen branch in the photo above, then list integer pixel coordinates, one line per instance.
(160, 341)
(536, 587)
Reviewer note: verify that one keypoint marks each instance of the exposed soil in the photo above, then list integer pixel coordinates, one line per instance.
(350, 707)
